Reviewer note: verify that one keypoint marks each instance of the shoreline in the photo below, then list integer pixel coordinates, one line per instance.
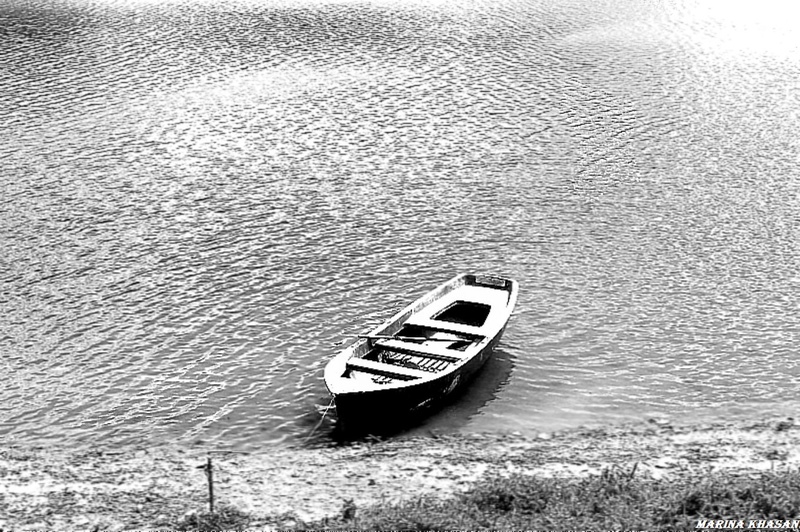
(146, 488)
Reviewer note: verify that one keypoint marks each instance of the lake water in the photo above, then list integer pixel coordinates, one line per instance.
(202, 201)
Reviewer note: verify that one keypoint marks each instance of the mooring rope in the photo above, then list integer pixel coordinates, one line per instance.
(321, 420)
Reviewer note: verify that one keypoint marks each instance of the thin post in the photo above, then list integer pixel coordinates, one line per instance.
(210, 473)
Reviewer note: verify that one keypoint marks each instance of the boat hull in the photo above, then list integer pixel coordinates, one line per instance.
(421, 356)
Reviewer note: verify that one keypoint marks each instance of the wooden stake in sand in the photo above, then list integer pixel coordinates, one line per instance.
(210, 475)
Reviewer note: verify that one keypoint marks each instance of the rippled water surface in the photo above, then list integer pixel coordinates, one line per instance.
(201, 201)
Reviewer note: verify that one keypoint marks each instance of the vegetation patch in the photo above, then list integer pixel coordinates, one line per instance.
(615, 499)
(224, 518)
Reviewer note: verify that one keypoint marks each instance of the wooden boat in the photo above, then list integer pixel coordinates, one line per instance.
(422, 354)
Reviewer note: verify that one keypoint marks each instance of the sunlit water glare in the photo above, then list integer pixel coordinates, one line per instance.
(202, 201)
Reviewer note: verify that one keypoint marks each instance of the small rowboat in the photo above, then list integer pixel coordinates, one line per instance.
(422, 354)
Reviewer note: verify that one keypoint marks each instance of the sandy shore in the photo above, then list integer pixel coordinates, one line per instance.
(137, 489)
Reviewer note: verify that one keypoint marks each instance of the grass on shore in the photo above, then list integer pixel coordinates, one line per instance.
(616, 499)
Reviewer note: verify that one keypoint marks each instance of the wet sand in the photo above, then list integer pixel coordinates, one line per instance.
(145, 488)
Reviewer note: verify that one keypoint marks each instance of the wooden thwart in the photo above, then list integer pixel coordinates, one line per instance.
(447, 327)
(405, 338)
(388, 370)
(428, 351)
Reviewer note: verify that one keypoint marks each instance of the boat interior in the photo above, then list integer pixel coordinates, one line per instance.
(431, 340)
(413, 353)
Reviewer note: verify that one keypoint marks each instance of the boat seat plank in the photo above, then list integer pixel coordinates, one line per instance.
(480, 294)
(389, 370)
(497, 299)
(446, 326)
(429, 351)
